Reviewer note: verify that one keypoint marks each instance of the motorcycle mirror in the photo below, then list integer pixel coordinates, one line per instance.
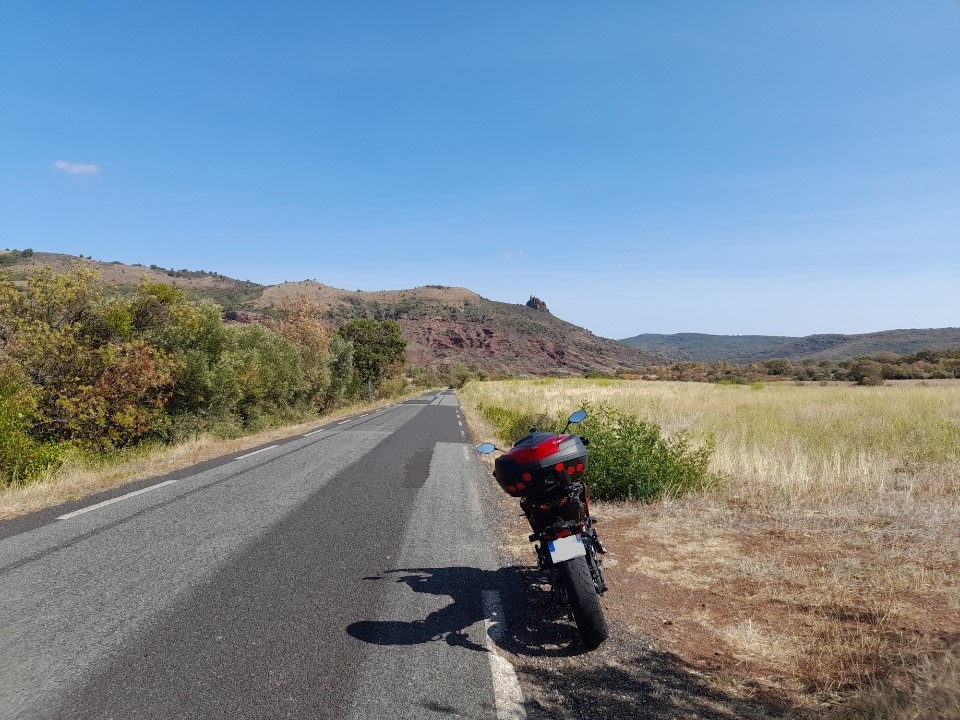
(486, 448)
(578, 416)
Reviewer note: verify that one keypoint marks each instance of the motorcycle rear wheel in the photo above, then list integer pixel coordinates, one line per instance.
(583, 601)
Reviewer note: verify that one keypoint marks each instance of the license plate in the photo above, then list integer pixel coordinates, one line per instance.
(566, 548)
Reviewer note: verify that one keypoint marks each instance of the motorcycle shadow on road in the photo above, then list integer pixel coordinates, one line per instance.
(531, 624)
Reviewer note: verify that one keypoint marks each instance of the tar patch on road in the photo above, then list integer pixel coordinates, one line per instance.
(418, 469)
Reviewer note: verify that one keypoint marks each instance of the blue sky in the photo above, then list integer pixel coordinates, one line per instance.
(738, 167)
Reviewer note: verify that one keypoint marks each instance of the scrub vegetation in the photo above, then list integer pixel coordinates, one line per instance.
(91, 372)
(821, 563)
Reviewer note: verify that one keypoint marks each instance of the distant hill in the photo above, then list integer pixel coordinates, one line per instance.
(443, 325)
(744, 349)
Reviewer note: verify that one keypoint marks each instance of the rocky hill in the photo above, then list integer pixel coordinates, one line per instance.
(443, 325)
(744, 349)
(454, 325)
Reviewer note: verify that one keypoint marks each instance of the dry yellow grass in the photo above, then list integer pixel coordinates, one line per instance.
(827, 565)
(784, 442)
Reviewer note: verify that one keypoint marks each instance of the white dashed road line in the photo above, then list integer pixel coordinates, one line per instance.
(241, 457)
(506, 689)
(314, 432)
(113, 500)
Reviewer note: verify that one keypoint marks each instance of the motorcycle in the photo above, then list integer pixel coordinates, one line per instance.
(546, 472)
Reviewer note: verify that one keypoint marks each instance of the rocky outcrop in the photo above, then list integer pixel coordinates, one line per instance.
(536, 303)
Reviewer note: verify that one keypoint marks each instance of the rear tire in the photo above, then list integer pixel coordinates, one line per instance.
(583, 601)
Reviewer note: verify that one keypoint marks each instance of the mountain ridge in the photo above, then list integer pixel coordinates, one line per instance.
(453, 325)
(745, 349)
(442, 325)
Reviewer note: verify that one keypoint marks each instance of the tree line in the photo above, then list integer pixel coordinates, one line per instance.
(932, 364)
(87, 369)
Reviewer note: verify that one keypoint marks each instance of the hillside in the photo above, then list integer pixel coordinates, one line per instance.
(454, 325)
(197, 284)
(442, 325)
(744, 349)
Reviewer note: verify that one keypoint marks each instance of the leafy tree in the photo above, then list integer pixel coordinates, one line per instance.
(341, 370)
(270, 372)
(865, 371)
(779, 366)
(378, 350)
(302, 328)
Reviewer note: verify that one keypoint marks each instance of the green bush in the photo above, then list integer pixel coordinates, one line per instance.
(378, 351)
(630, 459)
(512, 425)
(22, 458)
(341, 371)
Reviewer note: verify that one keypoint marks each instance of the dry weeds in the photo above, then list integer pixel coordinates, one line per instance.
(826, 567)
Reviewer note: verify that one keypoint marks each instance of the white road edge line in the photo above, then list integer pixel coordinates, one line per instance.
(312, 433)
(111, 501)
(506, 688)
(241, 457)
(343, 422)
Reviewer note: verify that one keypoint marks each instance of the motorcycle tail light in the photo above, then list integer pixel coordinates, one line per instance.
(544, 507)
(511, 489)
(520, 486)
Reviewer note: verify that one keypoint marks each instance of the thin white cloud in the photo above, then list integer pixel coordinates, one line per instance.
(511, 255)
(76, 168)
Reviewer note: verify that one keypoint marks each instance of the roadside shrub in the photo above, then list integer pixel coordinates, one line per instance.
(341, 371)
(461, 374)
(630, 459)
(393, 387)
(22, 458)
(512, 425)
(272, 381)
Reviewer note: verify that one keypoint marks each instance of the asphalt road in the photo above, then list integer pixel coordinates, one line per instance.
(338, 575)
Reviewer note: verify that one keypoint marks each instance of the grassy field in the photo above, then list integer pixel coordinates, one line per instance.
(826, 564)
